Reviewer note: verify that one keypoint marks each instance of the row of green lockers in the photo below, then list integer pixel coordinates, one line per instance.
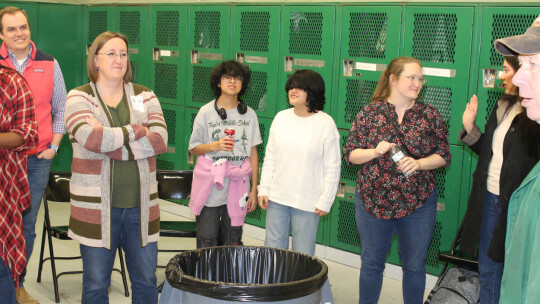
(174, 47)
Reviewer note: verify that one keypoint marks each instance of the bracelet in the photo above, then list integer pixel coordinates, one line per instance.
(55, 148)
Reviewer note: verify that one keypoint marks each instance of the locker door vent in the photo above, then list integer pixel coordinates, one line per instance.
(358, 95)
(256, 94)
(254, 31)
(167, 28)
(505, 25)
(440, 98)
(440, 176)
(170, 120)
(97, 24)
(493, 97)
(367, 35)
(348, 173)
(166, 79)
(201, 91)
(346, 230)
(434, 246)
(164, 164)
(206, 30)
(434, 37)
(134, 71)
(261, 148)
(130, 25)
(305, 33)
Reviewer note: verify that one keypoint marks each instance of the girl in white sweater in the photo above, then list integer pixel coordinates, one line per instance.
(301, 169)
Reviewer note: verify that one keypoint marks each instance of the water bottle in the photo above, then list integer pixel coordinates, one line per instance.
(397, 155)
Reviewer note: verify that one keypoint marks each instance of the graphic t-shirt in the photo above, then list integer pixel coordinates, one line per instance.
(209, 127)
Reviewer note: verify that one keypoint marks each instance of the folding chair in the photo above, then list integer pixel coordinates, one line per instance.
(58, 191)
(175, 184)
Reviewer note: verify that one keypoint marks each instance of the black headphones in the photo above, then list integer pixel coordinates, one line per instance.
(242, 109)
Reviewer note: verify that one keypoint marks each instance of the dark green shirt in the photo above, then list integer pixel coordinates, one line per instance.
(125, 188)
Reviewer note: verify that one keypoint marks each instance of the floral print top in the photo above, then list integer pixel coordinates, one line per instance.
(385, 192)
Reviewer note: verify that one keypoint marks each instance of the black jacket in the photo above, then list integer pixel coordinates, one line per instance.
(521, 151)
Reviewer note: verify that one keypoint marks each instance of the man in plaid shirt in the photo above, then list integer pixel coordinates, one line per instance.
(18, 133)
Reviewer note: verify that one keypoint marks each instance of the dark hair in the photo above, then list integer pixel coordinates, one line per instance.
(512, 99)
(513, 61)
(396, 66)
(96, 46)
(12, 10)
(231, 68)
(311, 82)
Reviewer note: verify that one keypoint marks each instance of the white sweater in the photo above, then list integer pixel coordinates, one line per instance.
(302, 163)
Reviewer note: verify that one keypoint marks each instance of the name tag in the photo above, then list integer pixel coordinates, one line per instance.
(39, 70)
(137, 103)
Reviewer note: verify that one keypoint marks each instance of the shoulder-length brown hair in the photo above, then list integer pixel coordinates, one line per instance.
(396, 66)
(96, 47)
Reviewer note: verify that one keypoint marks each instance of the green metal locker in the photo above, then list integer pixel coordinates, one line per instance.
(258, 217)
(97, 19)
(174, 158)
(168, 34)
(207, 46)
(132, 21)
(447, 223)
(189, 118)
(342, 226)
(441, 37)
(255, 35)
(308, 43)
(370, 40)
(497, 22)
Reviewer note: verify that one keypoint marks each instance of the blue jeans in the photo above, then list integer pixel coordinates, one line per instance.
(38, 176)
(214, 228)
(279, 221)
(490, 271)
(141, 262)
(7, 285)
(414, 236)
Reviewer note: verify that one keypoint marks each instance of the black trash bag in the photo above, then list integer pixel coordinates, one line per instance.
(238, 273)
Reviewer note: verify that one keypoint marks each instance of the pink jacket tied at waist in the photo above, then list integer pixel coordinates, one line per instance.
(208, 174)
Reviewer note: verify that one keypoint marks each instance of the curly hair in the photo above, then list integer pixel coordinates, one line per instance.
(231, 68)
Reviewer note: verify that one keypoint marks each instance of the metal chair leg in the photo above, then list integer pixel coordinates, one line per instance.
(51, 251)
(123, 271)
(42, 251)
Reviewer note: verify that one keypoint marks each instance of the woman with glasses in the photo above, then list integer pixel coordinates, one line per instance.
(116, 129)
(505, 157)
(396, 197)
(225, 137)
(300, 174)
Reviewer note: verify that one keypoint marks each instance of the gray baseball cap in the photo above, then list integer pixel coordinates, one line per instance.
(526, 44)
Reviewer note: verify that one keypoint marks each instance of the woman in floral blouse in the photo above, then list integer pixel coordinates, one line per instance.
(387, 201)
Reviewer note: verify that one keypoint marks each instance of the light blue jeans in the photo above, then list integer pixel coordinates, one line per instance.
(414, 235)
(7, 286)
(38, 176)
(280, 219)
(490, 271)
(141, 262)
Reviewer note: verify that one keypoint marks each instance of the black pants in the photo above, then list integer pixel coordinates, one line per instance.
(214, 228)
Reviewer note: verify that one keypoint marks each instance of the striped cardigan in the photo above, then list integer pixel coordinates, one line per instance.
(93, 152)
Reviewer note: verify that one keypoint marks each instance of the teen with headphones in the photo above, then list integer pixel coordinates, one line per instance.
(225, 135)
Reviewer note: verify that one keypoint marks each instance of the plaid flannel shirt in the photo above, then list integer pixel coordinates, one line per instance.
(16, 116)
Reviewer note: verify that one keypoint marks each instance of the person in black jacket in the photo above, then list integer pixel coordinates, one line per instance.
(507, 151)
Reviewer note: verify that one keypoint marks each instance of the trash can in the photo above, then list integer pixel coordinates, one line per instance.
(238, 274)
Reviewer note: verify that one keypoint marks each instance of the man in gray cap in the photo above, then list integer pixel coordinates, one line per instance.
(521, 278)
